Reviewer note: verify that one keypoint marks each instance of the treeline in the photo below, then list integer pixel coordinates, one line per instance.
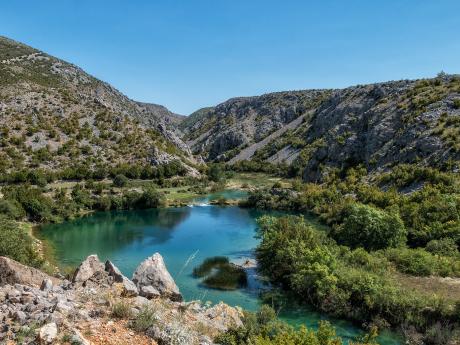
(79, 172)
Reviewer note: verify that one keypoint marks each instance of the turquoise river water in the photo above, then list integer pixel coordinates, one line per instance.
(185, 237)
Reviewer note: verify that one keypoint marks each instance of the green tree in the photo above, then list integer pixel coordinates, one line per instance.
(120, 181)
(371, 228)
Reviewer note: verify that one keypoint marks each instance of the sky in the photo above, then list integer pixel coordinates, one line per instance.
(187, 55)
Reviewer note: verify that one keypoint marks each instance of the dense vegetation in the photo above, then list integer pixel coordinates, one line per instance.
(264, 328)
(405, 223)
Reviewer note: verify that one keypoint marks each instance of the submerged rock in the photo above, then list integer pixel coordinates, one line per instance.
(153, 279)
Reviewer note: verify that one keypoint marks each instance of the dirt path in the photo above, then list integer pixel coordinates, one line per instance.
(249, 151)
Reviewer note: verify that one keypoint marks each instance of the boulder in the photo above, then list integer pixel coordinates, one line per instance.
(12, 272)
(48, 333)
(89, 267)
(153, 279)
(46, 285)
(129, 289)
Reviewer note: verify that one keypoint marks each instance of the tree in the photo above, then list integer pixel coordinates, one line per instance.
(120, 181)
(216, 173)
(371, 228)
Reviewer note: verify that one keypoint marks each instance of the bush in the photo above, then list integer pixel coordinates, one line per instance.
(120, 181)
(121, 310)
(11, 209)
(444, 247)
(144, 319)
(368, 227)
(420, 262)
(16, 243)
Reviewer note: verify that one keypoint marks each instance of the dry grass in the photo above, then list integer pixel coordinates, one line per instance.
(448, 288)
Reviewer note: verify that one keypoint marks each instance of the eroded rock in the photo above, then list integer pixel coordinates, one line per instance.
(129, 289)
(87, 269)
(153, 279)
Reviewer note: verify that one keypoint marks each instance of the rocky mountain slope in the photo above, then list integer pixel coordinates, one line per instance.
(102, 306)
(378, 125)
(53, 114)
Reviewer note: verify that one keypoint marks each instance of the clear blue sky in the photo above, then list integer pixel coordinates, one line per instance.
(190, 54)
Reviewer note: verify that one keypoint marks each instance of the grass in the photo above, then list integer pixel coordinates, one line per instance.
(219, 273)
(121, 310)
(248, 180)
(145, 319)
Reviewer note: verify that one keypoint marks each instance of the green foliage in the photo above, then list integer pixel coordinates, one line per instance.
(444, 247)
(17, 244)
(144, 319)
(120, 181)
(263, 328)
(11, 209)
(371, 228)
(420, 262)
(348, 283)
(216, 172)
(121, 310)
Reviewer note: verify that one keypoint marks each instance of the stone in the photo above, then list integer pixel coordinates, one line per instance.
(46, 285)
(48, 333)
(152, 273)
(149, 292)
(129, 289)
(12, 272)
(20, 317)
(89, 267)
(140, 301)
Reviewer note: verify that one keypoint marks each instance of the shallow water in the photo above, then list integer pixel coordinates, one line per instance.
(185, 237)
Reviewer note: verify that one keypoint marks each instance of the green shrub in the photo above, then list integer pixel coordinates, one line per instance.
(420, 262)
(17, 244)
(144, 319)
(121, 310)
(120, 181)
(368, 227)
(444, 247)
(11, 209)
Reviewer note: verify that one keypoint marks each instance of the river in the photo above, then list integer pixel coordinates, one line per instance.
(185, 236)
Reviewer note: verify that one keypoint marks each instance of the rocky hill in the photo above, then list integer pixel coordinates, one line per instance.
(378, 125)
(53, 115)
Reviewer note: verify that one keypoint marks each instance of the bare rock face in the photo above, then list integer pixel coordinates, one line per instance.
(153, 279)
(12, 272)
(88, 269)
(129, 288)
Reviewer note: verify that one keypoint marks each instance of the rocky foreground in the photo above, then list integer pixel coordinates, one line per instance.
(102, 306)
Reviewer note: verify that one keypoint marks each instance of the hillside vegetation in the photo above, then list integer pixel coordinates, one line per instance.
(55, 117)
